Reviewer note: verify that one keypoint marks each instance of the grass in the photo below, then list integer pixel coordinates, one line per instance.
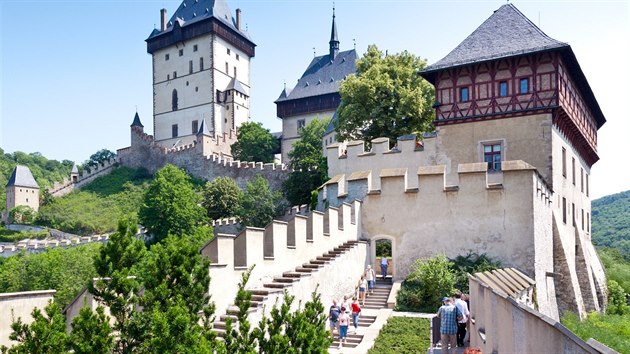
(403, 335)
(7, 235)
(612, 330)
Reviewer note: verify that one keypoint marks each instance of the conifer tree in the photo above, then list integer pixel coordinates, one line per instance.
(46, 334)
(91, 332)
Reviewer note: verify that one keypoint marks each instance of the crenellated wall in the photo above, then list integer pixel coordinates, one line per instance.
(281, 247)
(198, 159)
(60, 189)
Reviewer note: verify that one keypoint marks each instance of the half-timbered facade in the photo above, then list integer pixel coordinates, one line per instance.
(510, 92)
(201, 72)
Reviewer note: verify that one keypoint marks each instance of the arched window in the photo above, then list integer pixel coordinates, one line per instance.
(174, 100)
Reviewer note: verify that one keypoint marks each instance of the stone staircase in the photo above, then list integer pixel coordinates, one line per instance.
(279, 283)
(373, 302)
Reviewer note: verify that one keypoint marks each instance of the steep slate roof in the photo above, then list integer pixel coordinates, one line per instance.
(22, 177)
(236, 85)
(191, 11)
(136, 121)
(509, 33)
(322, 76)
(504, 34)
(203, 128)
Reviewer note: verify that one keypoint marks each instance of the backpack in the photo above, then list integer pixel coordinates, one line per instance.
(334, 313)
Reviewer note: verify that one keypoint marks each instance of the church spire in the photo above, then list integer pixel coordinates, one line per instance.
(334, 41)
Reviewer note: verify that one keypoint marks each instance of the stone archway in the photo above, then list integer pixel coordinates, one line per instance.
(378, 248)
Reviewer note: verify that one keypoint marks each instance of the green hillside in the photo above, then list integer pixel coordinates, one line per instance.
(611, 222)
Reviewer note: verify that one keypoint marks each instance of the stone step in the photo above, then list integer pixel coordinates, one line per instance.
(325, 258)
(312, 266)
(305, 271)
(335, 252)
(219, 325)
(264, 292)
(285, 280)
(258, 297)
(223, 318)
(293, 274)
(318, 262)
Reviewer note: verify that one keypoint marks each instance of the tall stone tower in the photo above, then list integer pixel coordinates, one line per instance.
(201, 71)
(22, 189)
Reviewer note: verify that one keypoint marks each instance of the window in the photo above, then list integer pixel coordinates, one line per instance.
(174, 74)
(228, 51)
(582, 180)
(181, 52)
(492, 156)
(174, 130)
(582, 219)
(300, 124)
(564, 162)
(190, 67)
(238, 57)
(588, 222)
(524, 85)
(195, 48)
(168, 76)
(174, 100)
(503, 89)
(463, 94)
(573, 169)
(166, 57)
(235, 71)
(201, 64)
(195, 126)
(573, 214)
(587, 185)
(564, 210)
(227, 68)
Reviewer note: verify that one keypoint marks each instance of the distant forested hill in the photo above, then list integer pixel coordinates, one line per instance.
(611, 222)
(45, 171)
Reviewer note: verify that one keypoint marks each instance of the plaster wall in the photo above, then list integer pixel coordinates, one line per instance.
(290, 133)
(84, 299)
(20, 305)
(17, 195)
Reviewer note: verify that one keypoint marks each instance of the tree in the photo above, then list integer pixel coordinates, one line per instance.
(254, 143)
(385, 98)
(46, 334)
(91, 332)
(221, 198)
(98, 158)
(429, 280)
(258, 203)
(310, 169)
(617, 300)
(22, 214)
(171, 205)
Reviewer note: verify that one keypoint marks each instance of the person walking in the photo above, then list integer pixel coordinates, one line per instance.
(370, 276)
(356, 311)
(449, 315)
(362, 289)
(461, 324)
(346, 303)
(333, 317)
(384, 267)
(344, 322)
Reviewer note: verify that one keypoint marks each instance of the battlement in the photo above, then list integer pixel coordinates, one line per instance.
(34, 246)
(279, 247)
(79, 180)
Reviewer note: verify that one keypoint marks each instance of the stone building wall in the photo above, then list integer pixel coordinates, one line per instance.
(20, 305)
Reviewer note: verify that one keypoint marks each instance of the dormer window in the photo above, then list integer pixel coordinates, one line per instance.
(463, 94)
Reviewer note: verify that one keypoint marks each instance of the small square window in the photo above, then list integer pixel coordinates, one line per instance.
(503, 89)
(492, 156)
(174, 74)
(228, 51)
(195, 126)
(237, 57)
(301, 123)
(463, 94)
(195, 48)
(167, 57)
(174, 130)
(524, 85)
(181, 52)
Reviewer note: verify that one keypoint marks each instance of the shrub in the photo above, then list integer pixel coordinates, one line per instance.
(22, 214)
(403, 335)
(612, 330)
(429, 280)
(471, 263)
(221, 198)
(7, 235)
(617, 300)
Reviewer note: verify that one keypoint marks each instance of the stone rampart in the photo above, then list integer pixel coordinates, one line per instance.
(197, 160)
(279, 247)
(34, 246)
(69, 184)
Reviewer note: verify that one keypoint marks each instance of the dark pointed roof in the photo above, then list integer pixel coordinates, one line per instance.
(203, 128)
(237, 86)
(75, 169)
(504, 34)
(322, 76)
(285, 93)
(22, 177)
(136, 121)
(334, 40)
(192, 11)
(509, 33)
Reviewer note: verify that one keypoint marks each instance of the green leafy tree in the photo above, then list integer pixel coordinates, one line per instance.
(471, 263)
(310, 169)
(45, 335)
(617, 300)
(22, 214)
(118, 286)
(221, 198)
(242, 339)
(171, 205)
(91, 332)
(254, 143)
(385, 98)
(98, 158)
(429, 280)
(258, 203)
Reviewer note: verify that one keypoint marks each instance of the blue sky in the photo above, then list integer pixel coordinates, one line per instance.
(72, 72)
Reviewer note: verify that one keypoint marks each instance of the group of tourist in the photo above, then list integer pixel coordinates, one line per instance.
(454, 319)
(339, 316)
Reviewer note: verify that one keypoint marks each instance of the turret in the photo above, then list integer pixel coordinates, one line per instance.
(334, 41)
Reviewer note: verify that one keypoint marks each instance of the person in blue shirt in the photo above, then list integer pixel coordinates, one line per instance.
(449, 315)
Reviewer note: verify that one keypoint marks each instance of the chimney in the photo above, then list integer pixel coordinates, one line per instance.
(238, 19)
(163, 20)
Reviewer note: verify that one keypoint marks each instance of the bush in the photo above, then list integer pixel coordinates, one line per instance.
(471, 263)
(617, 267)
(22, 214)
(612, 330)
(383, 248)
(617, 300)
(221, 198)
(403, 335)
(429, 281)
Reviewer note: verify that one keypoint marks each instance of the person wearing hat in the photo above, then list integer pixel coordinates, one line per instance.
(449, 315)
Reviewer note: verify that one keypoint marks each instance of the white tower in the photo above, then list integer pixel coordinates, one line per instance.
(201, 71)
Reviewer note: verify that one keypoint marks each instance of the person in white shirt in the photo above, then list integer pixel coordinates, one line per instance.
(370, 276)
(384, 267)
(461, 324)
